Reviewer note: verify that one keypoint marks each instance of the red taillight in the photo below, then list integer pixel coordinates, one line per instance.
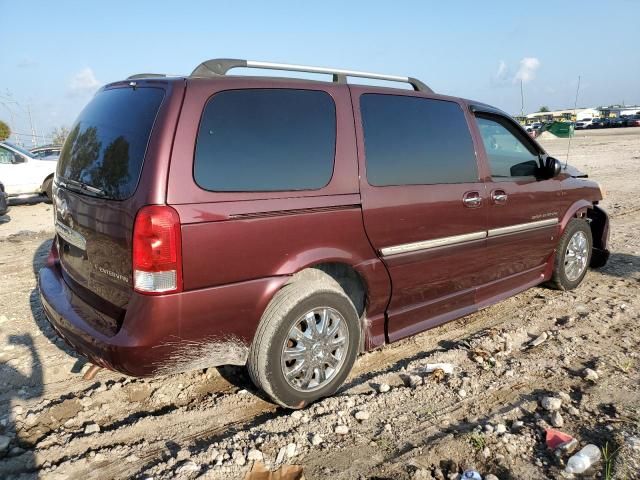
(157, 250)
(54, 256)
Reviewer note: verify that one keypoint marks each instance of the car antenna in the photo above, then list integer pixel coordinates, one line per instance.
(571, 134)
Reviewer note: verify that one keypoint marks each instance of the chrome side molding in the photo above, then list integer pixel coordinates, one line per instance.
(437, 242)
(494, 232)
(466, 237)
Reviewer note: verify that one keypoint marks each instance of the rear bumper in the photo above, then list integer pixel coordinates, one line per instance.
(73, 320)
(161, 334)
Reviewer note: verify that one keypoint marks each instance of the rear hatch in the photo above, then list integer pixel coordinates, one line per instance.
(97, 176)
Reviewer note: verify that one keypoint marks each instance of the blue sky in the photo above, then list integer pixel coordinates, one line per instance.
(59, 52)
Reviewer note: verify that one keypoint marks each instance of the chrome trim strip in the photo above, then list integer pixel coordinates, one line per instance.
(466, 237)
(71, 236)
(521, 227)
(427, 244)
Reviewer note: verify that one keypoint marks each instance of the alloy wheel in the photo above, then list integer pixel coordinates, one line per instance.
(315, 349)
(576, 255)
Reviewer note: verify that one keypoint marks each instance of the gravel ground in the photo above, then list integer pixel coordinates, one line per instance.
(391, 419)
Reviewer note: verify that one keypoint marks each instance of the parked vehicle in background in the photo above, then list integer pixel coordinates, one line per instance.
(584, 123)
(600, 123)
(24, 174)
(619, 122)
(47, 152)
(213, 219)
(634, 121)
(4, 204)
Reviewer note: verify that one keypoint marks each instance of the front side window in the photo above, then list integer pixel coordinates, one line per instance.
(258, 140)
(416, 141)
(507, 155)
(24, 152)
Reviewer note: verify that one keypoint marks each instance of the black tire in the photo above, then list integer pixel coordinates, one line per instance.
(559, 279)
(302, 294)
(47, 188)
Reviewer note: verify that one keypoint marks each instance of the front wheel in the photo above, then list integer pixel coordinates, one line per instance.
(573, 255)
(306, 343)
(47, 188)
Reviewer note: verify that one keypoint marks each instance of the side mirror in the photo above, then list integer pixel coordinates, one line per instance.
(552, 167)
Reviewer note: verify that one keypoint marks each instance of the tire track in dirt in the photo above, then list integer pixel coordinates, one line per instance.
(387, 359)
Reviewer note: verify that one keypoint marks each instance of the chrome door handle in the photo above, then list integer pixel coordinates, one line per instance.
(499, 197)
(472, 199)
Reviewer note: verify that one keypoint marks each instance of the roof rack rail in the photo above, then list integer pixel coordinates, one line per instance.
(220, 66)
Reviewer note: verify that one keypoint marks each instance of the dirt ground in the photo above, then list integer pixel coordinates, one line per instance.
(390, 420)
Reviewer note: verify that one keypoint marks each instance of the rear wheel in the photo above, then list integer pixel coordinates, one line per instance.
(306, 343)
(573, 255)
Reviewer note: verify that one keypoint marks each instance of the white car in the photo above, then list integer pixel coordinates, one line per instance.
(23, 174)
(584, 124)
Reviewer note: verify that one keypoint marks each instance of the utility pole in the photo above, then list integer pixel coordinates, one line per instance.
(521, 100)
(33, 129)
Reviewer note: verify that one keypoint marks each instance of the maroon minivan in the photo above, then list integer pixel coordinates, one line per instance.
(289, 224)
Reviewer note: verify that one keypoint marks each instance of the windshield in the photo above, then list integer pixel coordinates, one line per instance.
(106, 146)
(20, 149)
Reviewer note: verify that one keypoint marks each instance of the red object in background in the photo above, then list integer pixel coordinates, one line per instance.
(555, 438)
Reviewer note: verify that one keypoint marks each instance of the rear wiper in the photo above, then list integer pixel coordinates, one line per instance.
(65, 182)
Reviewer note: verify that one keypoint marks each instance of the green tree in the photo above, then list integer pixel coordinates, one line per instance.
(84, 147)
(59, 135)
(5, 131)
(112, 174)
(543, 109)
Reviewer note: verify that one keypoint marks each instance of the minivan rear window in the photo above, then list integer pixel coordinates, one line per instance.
(257, 140)
(106, 146)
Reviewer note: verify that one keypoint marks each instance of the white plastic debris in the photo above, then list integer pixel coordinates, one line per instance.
(581, 461)
(445, 367)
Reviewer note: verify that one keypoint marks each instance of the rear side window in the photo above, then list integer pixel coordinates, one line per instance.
(413, 141)
(107, 144)
(266, 140)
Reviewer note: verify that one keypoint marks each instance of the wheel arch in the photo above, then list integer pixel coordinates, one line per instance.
(48, 177)
(578, 210)
(598, 220)
(365, 281)
(352, 282)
